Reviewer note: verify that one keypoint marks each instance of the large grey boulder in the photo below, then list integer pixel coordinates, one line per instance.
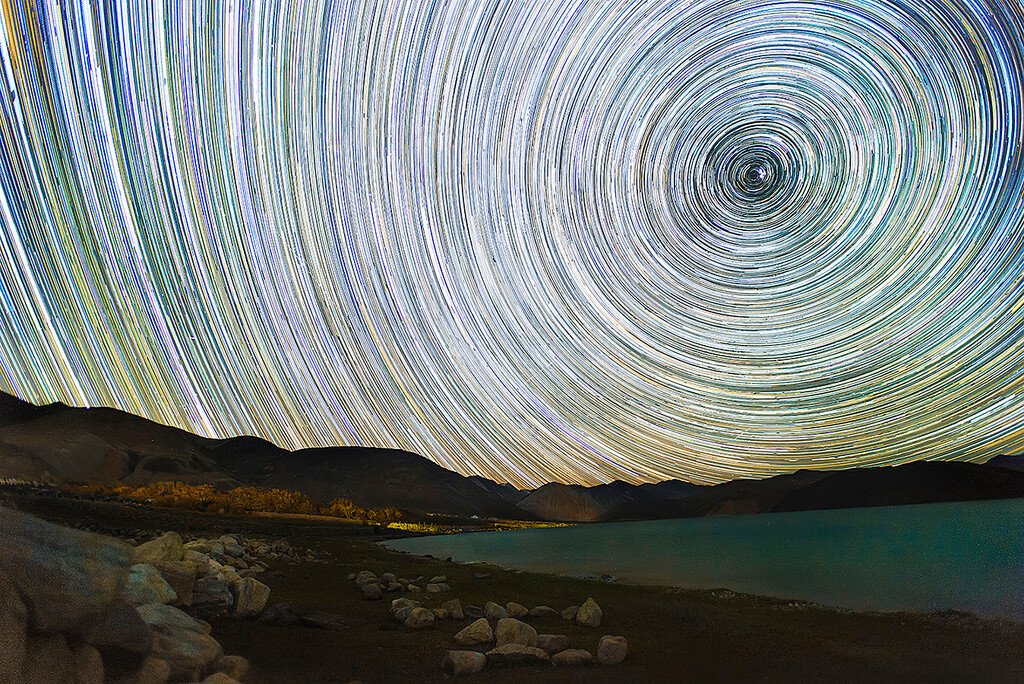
(167, 547)
(612, 650)
(479, 632)
(589, 614)
(516, 654)
(463, 662)
(512, 631)
(146, 585)
(66, 578)
(181, 640)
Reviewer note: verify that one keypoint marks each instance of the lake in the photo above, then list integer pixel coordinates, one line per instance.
(963, 556)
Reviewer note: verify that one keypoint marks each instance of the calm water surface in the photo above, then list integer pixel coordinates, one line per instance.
(963, 556)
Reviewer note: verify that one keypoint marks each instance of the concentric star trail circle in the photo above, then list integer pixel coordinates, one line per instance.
(530, 240)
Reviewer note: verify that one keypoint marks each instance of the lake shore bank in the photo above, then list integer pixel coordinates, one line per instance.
(674, 635)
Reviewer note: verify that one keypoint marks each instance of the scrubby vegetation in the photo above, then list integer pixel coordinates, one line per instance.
(205, 497)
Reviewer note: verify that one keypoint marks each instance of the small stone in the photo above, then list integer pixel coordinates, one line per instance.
(401, 607)
(473, 612)
(572, 657)
(454, 609)
(543, 611)
(412, 588)
(445, 586)
(589, 614)
(371, 592)
(419, 618)
(322, 620)
(438, 579)
(482, 576)
(492, 611)
(388, 577)
(517, 654)
(439, 613)
(612, 650)
(516, 610)
(231, 546)
(351, 576)
(512, 631)
(393, 586)
(433, 589)
(552, 643)
(463, 662)
(570, 613)
(479, 632)
(233, 666)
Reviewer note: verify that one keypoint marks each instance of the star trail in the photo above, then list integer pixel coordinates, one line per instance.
(572, 241)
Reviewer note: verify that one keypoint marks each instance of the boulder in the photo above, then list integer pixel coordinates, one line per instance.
(544, 611)
(512, 631)
(570, 613)
(388, 577)
(419, 618)
(433, 589)
(146, 585)
(516, 610)
(166, 619)
(552, 643)
(250, 596)
(438, 579)
(47, 659)
(479, 632)
(612, 650)
(87, 665)
(231, 546)
(233, 666)
(371, 592)
(13, 626)
(401, 607)
(211, 594)
(180, 575)
(492, 611)
(188, 653)
(589, 614)
(200, 563)
(463, 662)
(516, 654)
(167, 547)
(120, 626)
(151, 671)
(65, 578)
(454, 609)
(572, 657)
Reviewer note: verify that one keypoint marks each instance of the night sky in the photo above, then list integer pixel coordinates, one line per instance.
(532, 240)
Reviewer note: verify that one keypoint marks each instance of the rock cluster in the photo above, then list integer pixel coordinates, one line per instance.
(78, 606)
(373, 587)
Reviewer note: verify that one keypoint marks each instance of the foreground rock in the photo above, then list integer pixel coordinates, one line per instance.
(516, 654)
(589, 614)
(512, 631)
(419, 618)
(612, 650)
(478, 632)
(552, 643)
(74, 605)
(463, 662)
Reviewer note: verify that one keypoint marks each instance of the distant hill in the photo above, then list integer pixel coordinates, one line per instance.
(1008, 462)
(58, 442)
(555, 501)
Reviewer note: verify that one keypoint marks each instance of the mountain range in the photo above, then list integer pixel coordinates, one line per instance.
(103, 445)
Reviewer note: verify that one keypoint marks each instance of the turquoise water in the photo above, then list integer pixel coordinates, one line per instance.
(963, 556)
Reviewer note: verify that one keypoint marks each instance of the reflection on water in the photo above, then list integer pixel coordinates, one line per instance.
(963, 556)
